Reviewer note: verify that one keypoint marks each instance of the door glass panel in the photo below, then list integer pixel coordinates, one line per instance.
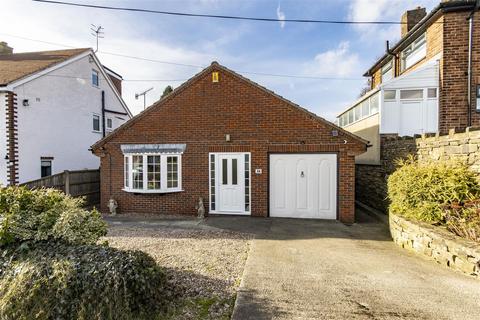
(234, 171)
(224, 171)
(212, 181)
(247, 182)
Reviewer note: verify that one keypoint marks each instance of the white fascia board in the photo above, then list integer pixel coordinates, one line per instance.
(110, 83)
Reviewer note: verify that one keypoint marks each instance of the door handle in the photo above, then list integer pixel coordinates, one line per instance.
(302, 175)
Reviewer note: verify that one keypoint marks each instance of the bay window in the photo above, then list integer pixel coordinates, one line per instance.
(152, 168)
(152, 173)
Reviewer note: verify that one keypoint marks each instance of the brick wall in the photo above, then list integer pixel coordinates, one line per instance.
(453, 86)
(200, 114)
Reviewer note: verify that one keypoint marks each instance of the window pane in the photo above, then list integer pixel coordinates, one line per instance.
(365, 108)
(45, 168)
(374, 103)
(95, 78)
(390, 94)
(96, 122)
(357, 111)
(109, 123)
(153, 172)
(172, 172)
(234, 171)
(411, 94)
(350, 116)
(127, 172)
(137, 170)
(224, 171)
(432, 92)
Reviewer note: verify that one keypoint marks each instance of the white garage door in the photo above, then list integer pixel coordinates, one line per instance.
(303, 186)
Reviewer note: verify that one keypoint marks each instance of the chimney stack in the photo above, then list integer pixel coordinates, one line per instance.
(410, 18)
(5, 49)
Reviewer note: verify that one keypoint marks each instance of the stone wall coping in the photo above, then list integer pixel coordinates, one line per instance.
(439, 233)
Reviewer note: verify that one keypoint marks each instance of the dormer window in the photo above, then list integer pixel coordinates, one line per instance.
(387, 71)
(415, 52)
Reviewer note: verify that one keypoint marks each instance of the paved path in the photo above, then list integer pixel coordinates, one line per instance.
(299, 269)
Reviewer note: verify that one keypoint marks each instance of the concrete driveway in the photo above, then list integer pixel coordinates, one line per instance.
(306, 269)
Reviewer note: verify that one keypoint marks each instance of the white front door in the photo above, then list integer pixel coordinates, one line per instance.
(303, 186)
(230, 182)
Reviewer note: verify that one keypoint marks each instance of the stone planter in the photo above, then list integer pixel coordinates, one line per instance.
(436, 243)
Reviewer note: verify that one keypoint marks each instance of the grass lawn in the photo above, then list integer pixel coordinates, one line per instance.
(204, 267)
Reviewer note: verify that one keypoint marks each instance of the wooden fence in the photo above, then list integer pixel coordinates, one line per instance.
(80, 183)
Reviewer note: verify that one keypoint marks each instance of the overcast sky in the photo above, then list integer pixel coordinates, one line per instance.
(338, 51)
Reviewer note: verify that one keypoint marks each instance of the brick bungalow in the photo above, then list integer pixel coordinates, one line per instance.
(239, 146)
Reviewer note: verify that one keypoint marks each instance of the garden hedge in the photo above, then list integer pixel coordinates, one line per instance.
(46, 280)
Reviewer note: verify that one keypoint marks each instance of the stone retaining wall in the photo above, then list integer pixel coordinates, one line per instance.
(436, 243)
(371, 180)
(461, 145)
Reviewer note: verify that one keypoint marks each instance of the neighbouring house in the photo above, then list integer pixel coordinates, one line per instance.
(428, 82)
(242, 148)
(55, 104)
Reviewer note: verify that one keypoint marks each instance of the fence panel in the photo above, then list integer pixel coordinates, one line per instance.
(79, 183)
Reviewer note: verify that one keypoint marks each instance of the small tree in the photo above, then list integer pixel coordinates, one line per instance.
(168, 89)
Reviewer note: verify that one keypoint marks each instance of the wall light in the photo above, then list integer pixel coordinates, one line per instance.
(227, 137)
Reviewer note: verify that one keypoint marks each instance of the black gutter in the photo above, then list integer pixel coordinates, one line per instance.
(103, 113)
(443, 7)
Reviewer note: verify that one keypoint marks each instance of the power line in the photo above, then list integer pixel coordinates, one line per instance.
(185, 14)
(192, 65)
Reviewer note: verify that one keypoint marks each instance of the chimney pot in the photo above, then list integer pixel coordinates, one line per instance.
(411, 18)
(5, 49)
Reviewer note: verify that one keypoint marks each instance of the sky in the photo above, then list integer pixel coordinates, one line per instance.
(248, 47)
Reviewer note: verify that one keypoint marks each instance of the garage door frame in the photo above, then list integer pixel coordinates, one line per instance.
(337, 207)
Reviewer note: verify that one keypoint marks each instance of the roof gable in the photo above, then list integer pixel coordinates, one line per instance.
(217, 67)
(16, 66)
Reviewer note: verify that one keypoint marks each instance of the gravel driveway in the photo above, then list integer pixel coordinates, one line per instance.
(203, 265)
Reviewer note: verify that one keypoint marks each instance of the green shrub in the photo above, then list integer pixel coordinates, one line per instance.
(421, 191)
(59, 281)
(464, 219)
(44, 214)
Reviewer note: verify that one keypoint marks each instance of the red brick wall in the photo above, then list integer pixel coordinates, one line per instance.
(453, 87)
(200, 115)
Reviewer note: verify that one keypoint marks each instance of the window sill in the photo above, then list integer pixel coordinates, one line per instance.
(152, 191)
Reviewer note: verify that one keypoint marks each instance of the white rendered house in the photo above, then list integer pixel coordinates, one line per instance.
(54, 106)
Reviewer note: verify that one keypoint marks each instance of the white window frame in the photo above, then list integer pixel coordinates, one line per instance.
(417, 49)
(387, 69)
(163, 173)
(95, 72)
(109, 128)
(215, 154)
(99, 123)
